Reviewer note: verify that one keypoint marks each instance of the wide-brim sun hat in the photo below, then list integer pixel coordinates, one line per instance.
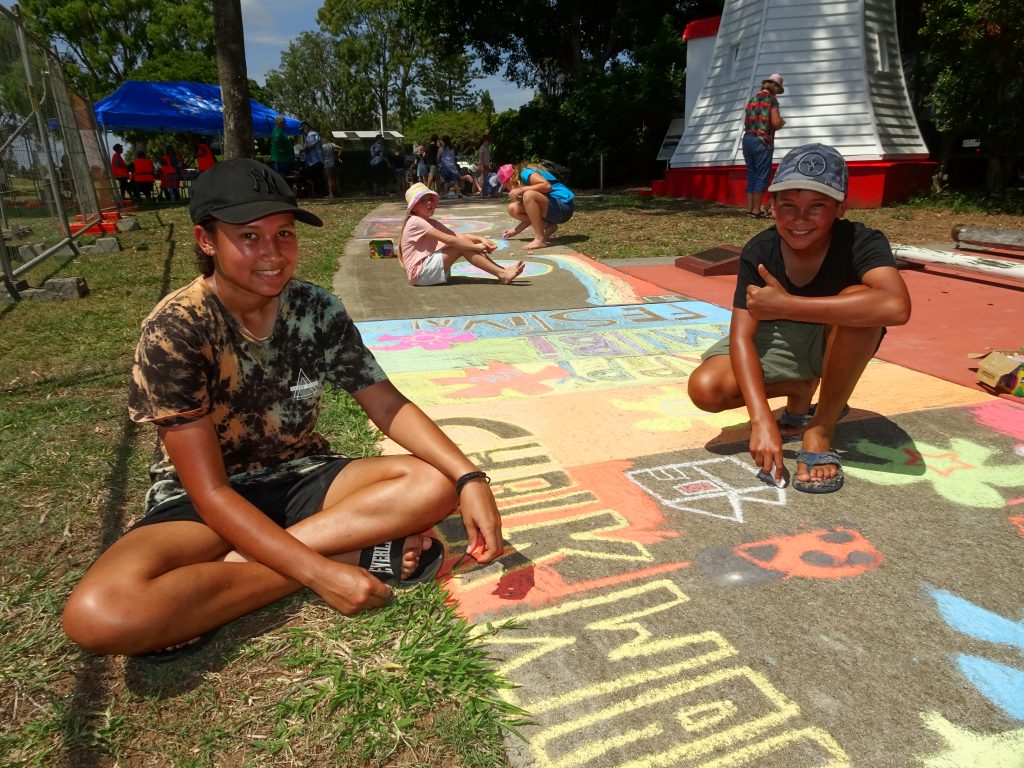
(506, 172)
(241, 190)
(415, 193)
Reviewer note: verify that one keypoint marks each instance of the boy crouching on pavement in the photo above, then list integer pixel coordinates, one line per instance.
(813, 298)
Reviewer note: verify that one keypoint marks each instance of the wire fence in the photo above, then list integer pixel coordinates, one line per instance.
(54, 175)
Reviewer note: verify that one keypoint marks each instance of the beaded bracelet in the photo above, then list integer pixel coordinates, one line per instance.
(469, 477)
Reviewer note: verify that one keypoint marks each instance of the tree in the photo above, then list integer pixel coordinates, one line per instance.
(193, 66)
(464, 129)
(974, 47)
(374, 38)
(317, 82)
(553, 45)
(445, 82)
(102, 41)
(234, 82)
(607, 75)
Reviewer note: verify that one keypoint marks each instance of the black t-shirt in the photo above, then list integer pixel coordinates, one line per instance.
(431, 153)
(854, 251)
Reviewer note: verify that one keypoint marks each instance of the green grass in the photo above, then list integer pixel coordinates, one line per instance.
(274, 688)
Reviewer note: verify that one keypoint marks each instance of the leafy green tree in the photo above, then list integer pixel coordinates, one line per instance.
(487, 107)
(607, 76)
(193, 66)
(975, 49)
(104, 40)
(320, 82)
(444, 82)
(375, 39)
(464, 128)
(553, 45)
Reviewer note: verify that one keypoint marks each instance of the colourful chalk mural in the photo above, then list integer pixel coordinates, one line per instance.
(671, 609)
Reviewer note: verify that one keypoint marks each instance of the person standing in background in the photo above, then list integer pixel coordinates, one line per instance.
(761, 120)
(380, 170)
(484, 161)
(332, 167)
(119, 170)
(144, 175)
(282, 151)
(313, 154)
(170, 175)
(204, 156)
(432, 153)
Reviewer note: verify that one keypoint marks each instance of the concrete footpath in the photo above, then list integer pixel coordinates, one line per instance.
(671, 609)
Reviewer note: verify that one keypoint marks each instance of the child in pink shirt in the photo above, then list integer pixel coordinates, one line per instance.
(427, 248)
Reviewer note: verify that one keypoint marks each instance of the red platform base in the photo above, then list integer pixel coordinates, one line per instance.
(872, 184)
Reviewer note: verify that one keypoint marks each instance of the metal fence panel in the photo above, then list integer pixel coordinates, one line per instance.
(54, 175)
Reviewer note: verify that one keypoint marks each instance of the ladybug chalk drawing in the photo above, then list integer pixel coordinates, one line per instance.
(836, 553)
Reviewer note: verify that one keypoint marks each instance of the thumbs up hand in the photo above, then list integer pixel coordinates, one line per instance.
(769, 302)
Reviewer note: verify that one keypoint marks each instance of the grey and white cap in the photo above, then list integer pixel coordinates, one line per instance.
(813, 166)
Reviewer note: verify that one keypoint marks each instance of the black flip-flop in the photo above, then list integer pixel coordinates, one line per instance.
(385, 562)
(189, 647)
(813, 459)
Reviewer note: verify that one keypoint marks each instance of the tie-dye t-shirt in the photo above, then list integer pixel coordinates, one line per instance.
(195, 359)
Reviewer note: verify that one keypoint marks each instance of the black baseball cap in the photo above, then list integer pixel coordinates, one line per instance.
(240, 190)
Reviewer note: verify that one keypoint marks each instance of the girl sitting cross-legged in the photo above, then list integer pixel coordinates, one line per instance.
(248, 503)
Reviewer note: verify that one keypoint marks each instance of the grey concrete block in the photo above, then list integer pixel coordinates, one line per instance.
(66, 287)
(107, 244)
(128, 225)
(28, 252)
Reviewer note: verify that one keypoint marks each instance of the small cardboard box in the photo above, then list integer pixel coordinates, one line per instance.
(1002, 370)
(382, 249)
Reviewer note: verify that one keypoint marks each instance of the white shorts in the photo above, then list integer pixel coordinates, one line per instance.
(434, 271)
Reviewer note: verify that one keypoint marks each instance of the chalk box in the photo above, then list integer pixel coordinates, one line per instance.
(1002, 370)
(382, 249)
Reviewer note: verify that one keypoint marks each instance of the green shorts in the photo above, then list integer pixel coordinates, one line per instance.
(789, 351)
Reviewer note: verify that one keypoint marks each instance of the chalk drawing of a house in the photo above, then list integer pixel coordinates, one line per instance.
(844, 87)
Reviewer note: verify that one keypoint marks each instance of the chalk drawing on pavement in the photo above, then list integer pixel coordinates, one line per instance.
(679, 323)
(962, 472)
(830, 553)
(532, 269)
(671, 410)
(1018, 520)
(969, 749)
(1002, 416)
(603, 287)
(569, 530)
(498, 378)
(1001, 684)
(438, 338)
(718, 487)
(651, 697)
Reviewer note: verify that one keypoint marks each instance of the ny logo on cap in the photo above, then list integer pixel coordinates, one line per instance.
(261, 178)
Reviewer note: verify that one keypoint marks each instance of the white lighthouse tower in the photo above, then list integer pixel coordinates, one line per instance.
(844, 87)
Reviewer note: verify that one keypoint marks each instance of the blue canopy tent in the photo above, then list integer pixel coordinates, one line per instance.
(177, 107)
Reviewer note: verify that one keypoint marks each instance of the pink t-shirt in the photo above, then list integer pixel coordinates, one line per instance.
(419, 244)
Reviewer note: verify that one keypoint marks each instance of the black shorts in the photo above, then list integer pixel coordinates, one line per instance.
(286, 502)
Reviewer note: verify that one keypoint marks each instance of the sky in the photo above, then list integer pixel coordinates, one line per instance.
(270, 25)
